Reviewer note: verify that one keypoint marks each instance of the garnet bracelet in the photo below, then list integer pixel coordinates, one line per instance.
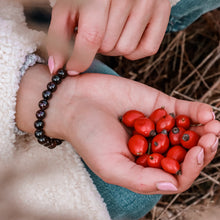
(41, 113)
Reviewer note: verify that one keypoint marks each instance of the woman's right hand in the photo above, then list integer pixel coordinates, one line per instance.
(85, 110)
(130, 28)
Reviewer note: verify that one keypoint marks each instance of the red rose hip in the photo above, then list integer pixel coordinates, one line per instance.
(183, 121)
(154, 160)
(175, 135)
(189, 139)
(165, 123)
(171, 166)
(137, 145)
(177, 152)
(160, 143)
(157, 114)
(142, 160)
(130, 116)
(145, 126)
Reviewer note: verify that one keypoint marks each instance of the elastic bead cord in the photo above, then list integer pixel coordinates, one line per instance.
(41, 113)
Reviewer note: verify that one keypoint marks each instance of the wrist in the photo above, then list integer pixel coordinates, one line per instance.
(33, 83)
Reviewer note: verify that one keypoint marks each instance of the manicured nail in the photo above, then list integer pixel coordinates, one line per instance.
(215, 145)
(166, 186)
(213, 115)
(200, 157)
(51, 64)
(72, 72)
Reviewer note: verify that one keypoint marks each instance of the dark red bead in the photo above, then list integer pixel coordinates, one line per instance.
(53, 144)
(58, 141)
(62, 73)
(43, 104)
(42, 140)
(56, 79)
(52, 86)
(47, 142)
(47, 94)
(39, 124)
(39, 133)
(41, 114)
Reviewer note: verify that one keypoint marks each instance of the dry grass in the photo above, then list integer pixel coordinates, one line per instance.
(187, 66)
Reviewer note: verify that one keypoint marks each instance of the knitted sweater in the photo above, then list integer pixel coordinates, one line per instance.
(35, 182)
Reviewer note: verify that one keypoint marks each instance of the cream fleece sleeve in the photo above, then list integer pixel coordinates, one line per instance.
(38, 181)
(16, 40)
(172, 2)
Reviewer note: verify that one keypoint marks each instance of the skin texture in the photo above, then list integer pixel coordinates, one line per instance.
(131, 28)
(90, 110)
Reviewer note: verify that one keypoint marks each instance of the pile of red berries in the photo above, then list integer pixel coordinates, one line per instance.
(160, 140)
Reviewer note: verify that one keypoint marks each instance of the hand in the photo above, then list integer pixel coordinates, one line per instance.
(132, 28)
(84, 111)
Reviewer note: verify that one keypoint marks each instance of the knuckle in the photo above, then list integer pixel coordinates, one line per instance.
(151, 49)
(106, 48)
(92, 37)
(125, 49)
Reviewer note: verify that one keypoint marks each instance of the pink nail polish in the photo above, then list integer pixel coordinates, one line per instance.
(200, 157)
(166, 186)
(51, 64)
(215, 145)
(72, 73)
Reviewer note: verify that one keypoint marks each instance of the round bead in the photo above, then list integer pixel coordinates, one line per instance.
(47, 142)
(52, 86)
(39, 124)
(58, 141)
(56, 79)
(40, 114)
(43, 104)
(42, 140)
(47, 94)
(39, 133)
(62, 73)
(53, 144)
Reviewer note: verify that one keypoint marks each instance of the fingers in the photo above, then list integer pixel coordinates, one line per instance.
(198, 112)
(59, 35)
(90, 34)
(135, 26)
(118, 15)
(210, 127)
(154, 32)
(209, 142)
(191, 167)
(137, 178)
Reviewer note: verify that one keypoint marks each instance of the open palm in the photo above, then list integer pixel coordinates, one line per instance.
(93, 128)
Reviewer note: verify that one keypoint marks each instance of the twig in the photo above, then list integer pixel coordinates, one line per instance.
(167, 207)
(194, 203)
(193, 72)
(181, 57)
(210, 91)
(210, 178)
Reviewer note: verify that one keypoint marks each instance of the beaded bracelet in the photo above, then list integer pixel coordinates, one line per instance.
(41, 113)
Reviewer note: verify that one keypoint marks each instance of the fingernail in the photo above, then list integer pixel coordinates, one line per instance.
(215, 145)
(166, 186)
(213, 115)
(51, 64)
(72, 72)
(200, 157)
